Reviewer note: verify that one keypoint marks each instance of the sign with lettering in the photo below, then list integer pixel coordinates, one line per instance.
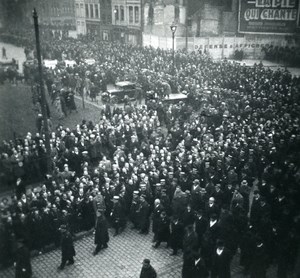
(50, 64)
(268, 16)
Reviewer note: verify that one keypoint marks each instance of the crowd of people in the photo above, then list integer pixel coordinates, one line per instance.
(289, 56)
(188, 168)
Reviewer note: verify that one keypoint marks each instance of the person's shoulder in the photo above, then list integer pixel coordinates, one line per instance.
(153, 270)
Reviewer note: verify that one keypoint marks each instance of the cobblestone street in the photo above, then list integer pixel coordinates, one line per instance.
(123, 259)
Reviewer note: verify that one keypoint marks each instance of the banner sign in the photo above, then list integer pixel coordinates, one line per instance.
(50, 64)
(268, 16)
(90, 61)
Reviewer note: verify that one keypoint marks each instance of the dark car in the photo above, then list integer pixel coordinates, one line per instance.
(121, 91)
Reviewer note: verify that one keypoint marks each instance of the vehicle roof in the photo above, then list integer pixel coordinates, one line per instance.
(124, 83)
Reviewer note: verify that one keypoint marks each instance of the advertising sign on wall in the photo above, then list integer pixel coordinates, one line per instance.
(268, 16)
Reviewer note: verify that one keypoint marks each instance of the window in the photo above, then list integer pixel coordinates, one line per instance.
(96, 11)
(122, 13)
(86, 10)
(150, 14)
(116, 12)
(130, 14)
(92, 10)
(177, 12)
(81, 10)
(136, 14)
(77, 9)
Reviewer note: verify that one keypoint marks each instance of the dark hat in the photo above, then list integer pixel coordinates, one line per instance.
(163, 213)
(199, 211)
(147, 261)
(220, 243)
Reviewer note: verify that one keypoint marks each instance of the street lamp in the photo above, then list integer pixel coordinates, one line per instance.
(115, 31)
(173, 28)
(115, 12)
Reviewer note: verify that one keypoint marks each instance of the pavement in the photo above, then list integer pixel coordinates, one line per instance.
(122, 259)
(13, 52)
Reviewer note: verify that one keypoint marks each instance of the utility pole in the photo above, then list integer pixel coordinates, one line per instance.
(42, 90)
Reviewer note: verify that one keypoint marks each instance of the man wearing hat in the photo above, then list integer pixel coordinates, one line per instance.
(221, 261)
(147, 270)
(101, 232)
(176, 236)
(99, 203)
(197, 201)
(143, 214)
(67, 247)
(190, 247)
(201, 225)
(158, 208)
(255, 209)
(118, 216)
(163, 229)
(22, 264)
(133, 214)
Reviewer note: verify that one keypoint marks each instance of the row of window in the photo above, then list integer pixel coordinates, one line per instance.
(79, 10)
(64, 9)
(133, 13)
(92, 10)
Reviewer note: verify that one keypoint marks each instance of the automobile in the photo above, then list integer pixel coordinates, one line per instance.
(121, 91)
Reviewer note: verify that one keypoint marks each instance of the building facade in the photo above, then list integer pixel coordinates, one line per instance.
(80, 17)
(105, 20)
(127, 20)
(62, 13)
(161, 14)
(212, 18)
(92, 17)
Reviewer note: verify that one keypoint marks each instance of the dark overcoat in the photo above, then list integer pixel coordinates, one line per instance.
(101, 233)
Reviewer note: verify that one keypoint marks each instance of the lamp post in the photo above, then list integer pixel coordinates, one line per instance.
(115, 32)
(173, 29)
(42, 90)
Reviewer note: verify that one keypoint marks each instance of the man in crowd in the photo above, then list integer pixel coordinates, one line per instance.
(67, 248)
(147, 270)
(101, 233)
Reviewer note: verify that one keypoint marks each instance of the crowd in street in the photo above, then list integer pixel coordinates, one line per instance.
(189, 169)
(289, 56)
